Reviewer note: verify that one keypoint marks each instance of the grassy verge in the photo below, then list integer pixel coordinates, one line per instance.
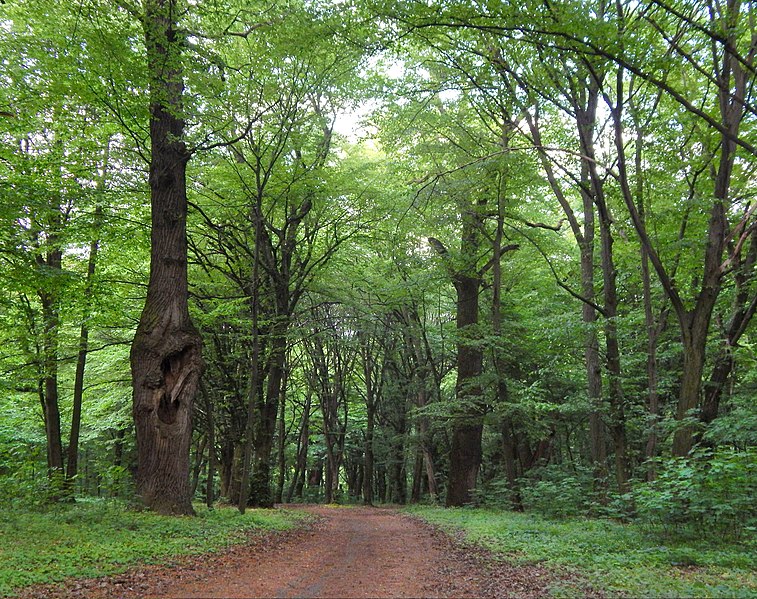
(98, 538)
(618, 559)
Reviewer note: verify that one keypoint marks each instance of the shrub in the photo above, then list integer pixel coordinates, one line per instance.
(710, 491)
(558, 493)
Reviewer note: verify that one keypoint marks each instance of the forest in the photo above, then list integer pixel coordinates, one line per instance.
(462, 253)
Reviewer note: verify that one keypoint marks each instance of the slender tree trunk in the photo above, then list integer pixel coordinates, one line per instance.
(51, 320)
(166, 360)
(428, 461)
(584, 236)
(198, 462)
(298, 481)
(499, 364)
(612, 358)
(423, 373)
(397, 472)
(417, 483)
(281, 443)
(653, 397)
(265, 423)
(209, 496)
(81, 359)
(368, 466)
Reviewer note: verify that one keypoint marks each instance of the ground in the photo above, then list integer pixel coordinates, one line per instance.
(348, 552)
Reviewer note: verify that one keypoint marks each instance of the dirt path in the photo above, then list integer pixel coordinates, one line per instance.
(353, 552)
(349, 552)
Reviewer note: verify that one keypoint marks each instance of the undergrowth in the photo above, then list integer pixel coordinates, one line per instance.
(95, 538)
(618, 559)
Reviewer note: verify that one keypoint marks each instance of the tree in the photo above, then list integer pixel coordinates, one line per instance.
(166, 357)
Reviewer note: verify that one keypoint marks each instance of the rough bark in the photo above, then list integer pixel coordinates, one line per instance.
(166, 360)
(467, 428)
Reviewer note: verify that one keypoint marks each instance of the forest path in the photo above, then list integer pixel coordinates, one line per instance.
(351, 552)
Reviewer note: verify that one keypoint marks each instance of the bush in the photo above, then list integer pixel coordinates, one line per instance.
(711, 491)
(558, 493)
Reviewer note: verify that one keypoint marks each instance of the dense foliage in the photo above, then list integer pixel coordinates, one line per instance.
(498, 254)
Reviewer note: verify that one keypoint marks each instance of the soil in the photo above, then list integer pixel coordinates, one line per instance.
(348, 552)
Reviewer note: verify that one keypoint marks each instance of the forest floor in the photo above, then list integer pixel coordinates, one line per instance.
(345, 552)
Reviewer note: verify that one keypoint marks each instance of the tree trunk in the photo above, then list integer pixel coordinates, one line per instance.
(465, 452)
(50, 351)
(694, 343)
(265, 422)
(499, 363)
(281, 444)
(368, 465)
(209, 496)
(298, 481)
(166, 360)
(612, 358)
(81, 359)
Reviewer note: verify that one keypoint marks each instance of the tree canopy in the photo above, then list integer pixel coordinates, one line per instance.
(381, 252)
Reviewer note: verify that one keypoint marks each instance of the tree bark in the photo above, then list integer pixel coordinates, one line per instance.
(166, 360)
(467, 428)
(51, 320)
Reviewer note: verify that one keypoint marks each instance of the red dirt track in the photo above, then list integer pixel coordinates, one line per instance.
(349, 552)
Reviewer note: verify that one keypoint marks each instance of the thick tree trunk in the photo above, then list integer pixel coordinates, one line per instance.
(467, 428)
(166, 360)
(694, 343)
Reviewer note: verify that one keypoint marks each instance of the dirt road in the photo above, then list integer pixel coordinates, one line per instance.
(353, 552)
(350, 552)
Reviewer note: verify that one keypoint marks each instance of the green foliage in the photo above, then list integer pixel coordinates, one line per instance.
(557, 493)
(709, 492)
(619, 559)
(96, 538)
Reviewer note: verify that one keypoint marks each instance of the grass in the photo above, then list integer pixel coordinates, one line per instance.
(619, 559)
(97, 538)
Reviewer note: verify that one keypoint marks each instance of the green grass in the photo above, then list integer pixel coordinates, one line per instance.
(618, 559)
(98, 538)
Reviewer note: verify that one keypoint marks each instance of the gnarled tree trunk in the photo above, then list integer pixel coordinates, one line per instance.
(166, 360)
